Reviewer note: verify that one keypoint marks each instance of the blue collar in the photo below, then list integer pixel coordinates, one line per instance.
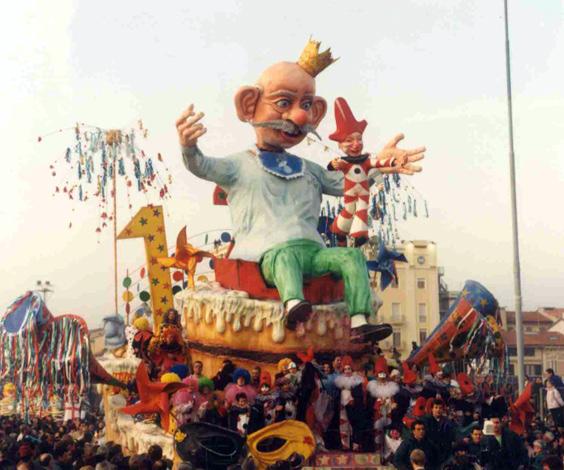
(281, 164)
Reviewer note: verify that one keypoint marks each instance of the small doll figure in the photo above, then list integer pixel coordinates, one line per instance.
(358, 168)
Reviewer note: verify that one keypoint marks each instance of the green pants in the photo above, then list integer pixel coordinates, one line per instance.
(287, 264)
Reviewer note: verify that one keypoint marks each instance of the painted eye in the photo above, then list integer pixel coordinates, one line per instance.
(306, 105)
(283, 103)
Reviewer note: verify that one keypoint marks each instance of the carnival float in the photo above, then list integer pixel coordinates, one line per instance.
(284, 301)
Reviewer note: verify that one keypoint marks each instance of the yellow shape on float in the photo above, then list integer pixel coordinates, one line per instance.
(149, 224)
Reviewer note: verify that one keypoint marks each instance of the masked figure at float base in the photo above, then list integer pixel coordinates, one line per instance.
(275, 197)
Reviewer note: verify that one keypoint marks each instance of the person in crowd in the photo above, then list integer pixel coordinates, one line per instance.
(552, 462)
(461, 459)
(503, 449)
(417, 459)
(538, 455)
(255, 377)
(556, 379)
(440, 430)
(555, 402)
(417, 440)
(475, 443)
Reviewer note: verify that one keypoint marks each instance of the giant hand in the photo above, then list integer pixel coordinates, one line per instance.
(403, 159)
(188, 128)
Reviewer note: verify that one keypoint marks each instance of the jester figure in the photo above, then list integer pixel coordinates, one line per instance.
(275, 196)
(358, 168)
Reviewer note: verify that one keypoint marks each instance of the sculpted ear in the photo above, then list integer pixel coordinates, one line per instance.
(318, 110)
(246, 100)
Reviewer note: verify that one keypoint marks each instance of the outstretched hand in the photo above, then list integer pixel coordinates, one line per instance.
(188, 128)
(403, 159)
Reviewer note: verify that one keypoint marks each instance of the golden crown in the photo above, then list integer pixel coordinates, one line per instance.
(312, 61)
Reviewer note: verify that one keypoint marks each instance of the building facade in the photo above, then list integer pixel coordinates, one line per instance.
(411, 306)
(543, 340)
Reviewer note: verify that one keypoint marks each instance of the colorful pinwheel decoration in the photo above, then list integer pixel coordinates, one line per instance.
(186, 257)
(385, 264)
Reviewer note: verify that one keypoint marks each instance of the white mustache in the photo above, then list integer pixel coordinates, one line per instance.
(285, 125)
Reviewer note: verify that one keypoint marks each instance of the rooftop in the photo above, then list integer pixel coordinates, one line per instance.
(531, 317)
(543, 338)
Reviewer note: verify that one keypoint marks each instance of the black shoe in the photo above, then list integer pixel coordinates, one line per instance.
(299, 313)
(358, 242)
(367, 332)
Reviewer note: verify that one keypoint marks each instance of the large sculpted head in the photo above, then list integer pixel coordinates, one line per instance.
(282, 106)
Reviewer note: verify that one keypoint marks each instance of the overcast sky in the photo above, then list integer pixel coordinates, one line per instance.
(434, 70)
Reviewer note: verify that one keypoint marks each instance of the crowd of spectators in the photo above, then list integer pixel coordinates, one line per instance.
(45, 443)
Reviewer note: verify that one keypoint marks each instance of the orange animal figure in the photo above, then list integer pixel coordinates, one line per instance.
(186, 257)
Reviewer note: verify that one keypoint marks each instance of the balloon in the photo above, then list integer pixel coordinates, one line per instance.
(142, 273)
(127, 308)
(211, 263)
(126, 282)
(225, 237)
(178, 276)
(144, 296)
(127, 296)
(176, 289)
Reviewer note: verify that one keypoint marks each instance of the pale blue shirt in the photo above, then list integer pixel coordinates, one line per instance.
(266, 210)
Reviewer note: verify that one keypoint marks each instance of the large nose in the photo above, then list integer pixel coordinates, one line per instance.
(298, 116)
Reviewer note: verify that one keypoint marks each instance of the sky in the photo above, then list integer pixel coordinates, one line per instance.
(434, 70)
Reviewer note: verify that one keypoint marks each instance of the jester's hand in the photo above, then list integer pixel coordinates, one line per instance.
(188, 128)
(403, 159)
(338, 164)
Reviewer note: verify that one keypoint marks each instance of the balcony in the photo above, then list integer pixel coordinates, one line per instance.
(395, 319)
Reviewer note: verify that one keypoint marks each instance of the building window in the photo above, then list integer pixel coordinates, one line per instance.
(397, 339)
(396, 311)
(533, 370)
(422, 336)
(529, 352)
(421, 283)
(422, 312)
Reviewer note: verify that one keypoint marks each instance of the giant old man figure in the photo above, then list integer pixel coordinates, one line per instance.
(275, 196)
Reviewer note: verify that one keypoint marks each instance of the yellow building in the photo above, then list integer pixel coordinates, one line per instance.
(412, 305)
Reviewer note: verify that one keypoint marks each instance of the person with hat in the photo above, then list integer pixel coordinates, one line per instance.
(241, 384)
(265, 398)
(382, 390)
(285, 400)
(351, 404)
